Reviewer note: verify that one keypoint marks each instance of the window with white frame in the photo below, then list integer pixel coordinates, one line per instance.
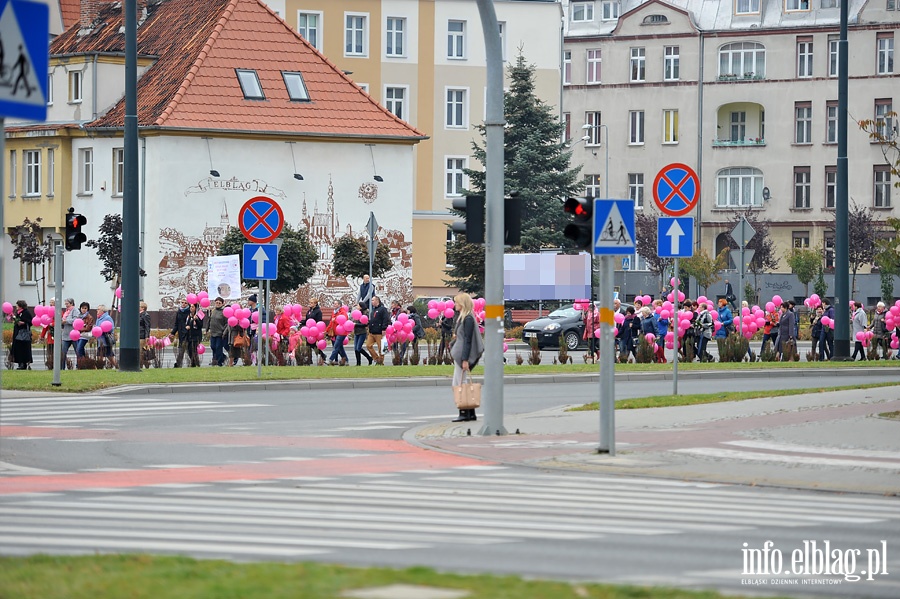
(833, 49)
(828, 242)
(801, 187)
(12, 173)
(455, 175)
(456, 108)
(592, 187)
(795, 5)
(831, 110)
(892, 5)
(804, 57)
(32, 165)
(581, 11)
(567, 67)
(395, 101)
(395, 37)
(742, 59)
(884, 125)
(456, 40)
(609, 11)
(309, 26)
(636, 127)
(75, 87)
(50, 89)
(670, 126)
(86, 171)
(567, 126)
(593, 66)
(118, 170)
(27, 272)
(502, 26)
(830, 187)
(802, 122)
(51, 172)
(746, 7)
(592, 120)
(738, 125)
(800, 240)
(671, 67)
(885, 43)
(356, 35)
(882, 195)
(638, 65)
(636, 189)
(739, 186)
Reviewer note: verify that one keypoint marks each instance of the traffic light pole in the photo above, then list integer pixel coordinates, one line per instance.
(494, 209)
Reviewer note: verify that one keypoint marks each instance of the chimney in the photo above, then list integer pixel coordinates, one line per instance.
(89, 10)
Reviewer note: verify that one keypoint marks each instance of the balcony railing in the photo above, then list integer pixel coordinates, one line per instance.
(745, 77)
(755, 141)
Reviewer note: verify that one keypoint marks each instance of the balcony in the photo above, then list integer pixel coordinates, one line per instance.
(742, 143)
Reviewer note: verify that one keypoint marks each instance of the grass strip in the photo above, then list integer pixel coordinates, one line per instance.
(150, 577)
(664, 401)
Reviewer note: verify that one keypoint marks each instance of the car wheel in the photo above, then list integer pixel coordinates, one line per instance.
(572, 340)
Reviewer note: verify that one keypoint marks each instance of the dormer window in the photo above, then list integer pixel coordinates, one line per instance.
(582, 12)
(796, 5)
(609, 11)
(296, 87)
(655, 20)
(250, 85)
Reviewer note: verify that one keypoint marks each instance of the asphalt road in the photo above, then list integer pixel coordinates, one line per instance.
(300, 475)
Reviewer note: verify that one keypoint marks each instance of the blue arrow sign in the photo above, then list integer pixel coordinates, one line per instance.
(613, 227)
(675, 237)
(261, 261)
(24, 31)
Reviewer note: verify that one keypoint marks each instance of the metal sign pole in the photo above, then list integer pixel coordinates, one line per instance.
(258, 335)
(57, 314)
(268, 342)
(675, 291)
(607, 359)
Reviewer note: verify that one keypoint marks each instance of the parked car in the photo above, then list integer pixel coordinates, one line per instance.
(567, 322)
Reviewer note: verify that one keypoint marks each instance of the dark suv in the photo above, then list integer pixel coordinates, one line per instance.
(565, 321)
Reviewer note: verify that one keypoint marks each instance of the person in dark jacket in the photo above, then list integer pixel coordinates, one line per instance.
(826, 339)
(446, 335)
(627, 335)
(418, 330)
(180, 329)
(378, 322)
(144, 333)
(785, 332)
(360, 332)
(366, 292)
(466, 329)
(217, 326)
(315, 312)
(21, 345)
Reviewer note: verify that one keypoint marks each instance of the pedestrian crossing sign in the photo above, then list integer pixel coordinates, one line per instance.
(614, 227)
(24, 55)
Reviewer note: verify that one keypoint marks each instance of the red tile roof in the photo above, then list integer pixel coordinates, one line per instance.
(193, 85)
(70, 11)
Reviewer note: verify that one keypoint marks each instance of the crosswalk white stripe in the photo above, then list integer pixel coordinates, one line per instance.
(6, 401)
(99, 404)
(42, 414)
(861, 453)
(31, 541)
(717, 452)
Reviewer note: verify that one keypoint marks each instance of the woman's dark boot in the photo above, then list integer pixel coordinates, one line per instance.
(358, 358)
(470, 415)
(463, 416)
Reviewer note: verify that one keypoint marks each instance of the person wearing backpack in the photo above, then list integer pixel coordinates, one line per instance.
(467, 347)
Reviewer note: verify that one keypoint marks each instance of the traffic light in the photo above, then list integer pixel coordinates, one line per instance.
(512, 219)
(581, 229)
(472, 227)
(74, 236)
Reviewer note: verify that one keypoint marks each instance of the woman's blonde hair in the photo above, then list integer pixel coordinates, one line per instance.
(466, 307)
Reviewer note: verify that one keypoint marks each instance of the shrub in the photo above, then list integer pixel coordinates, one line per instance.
(515, 332)
(645, 351)
(563, 351)
(733, 348)
(534, 357)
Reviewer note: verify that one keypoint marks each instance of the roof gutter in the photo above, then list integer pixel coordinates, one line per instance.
(254, 133)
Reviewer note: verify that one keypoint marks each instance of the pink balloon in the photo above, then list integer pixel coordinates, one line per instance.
(204, 302)
(402, 317)
(304, 331)
(119, 292)
(236, 306)
(46, 320)
(670, 336)
(673, 281)
(702, 300)
(432, 305)
(39, 310)
(106, 326)
(192, 298)
(619, 318)
(341, 318)
(680, 296)
(597, 333)
(363, 319)
(254, 316)
(346, 340)
(433, 313)
(745, 311)
(74, 335)
(244, 322)
(232, 321)
(356, 314)
(577, 306)
(671, 298)
(670, 345)
(201, 349)
(860, 336)
(770, 307)
(310, 322)
(7, 308)
(321, 325)
(321, 344)
(748, 334)
(36, 321)
(228, 312)
(78, 324)
(760, 322)
(288, 310)
(665, 314)
(650, 337)
(776, 299)
(448, 313)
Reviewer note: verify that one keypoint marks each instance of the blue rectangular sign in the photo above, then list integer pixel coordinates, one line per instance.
(24, 33)
(675, 237)
(614, 227)
(261, 261)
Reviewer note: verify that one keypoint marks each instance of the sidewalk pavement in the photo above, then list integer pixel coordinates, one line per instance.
(833, 441)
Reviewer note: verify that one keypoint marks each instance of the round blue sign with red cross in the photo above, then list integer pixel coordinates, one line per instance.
(676, 189)
(260, 219)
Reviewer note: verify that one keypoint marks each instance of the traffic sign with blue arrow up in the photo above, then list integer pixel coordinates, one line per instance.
(675, 237)
(261, 261)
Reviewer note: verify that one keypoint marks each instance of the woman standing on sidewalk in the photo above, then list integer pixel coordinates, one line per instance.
(464, 358)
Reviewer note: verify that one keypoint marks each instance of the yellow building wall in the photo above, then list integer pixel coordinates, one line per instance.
(51, 205)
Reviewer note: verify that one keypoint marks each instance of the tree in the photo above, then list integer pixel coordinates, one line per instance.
(536, 164)
(296, 258)
(645, 225)
(763, 246)
(883, 132)
(28, 247)
(351, 258)
(704, 268)
(887, 259)
(862, 230)
(109, 249)
(820, 287)
(805, 264)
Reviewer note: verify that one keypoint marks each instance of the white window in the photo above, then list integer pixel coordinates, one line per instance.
(830, 186)
(801, 187)
(582, 11)
(883, 122)
(32, 159)
(738, 125)
(27, 273)
(795, 5)
(592, 120)
(86, 171)
(882, 186)
(118, 170)
(609, 11)
(831, 109)
(12, 173)
(250, 85)
(309, 25)
(502, 26)
(356, 35)
(636, 189)
(742, 59)
(50, 89)
(670, 126)
(567, 67)
(885, 53)
(804, 57)
(636, 127)
(638, 65)
(51, 172)
(833, 49)
(451, 239)
(456, 178)
(592, 187)
(739, 187)
(395, 37)
(296, 87)
(746, 7)
(593, 66)
(75, 87)
(456, 108)
(395, 101)
(456, 39)
(800, 239)
(803, 122)
(671, 67)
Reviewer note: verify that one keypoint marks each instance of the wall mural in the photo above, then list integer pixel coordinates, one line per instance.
(183, 253)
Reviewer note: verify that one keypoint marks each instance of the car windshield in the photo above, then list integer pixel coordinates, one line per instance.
(564, 313)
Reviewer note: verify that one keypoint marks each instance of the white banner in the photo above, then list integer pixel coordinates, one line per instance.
(223, 277)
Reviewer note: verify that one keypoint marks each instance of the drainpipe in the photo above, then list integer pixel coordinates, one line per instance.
(94, 88)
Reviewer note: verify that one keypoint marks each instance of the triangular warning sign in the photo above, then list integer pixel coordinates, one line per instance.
(19, 80)
(613, 233)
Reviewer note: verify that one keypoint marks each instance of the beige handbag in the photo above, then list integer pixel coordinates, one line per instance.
(467, 395)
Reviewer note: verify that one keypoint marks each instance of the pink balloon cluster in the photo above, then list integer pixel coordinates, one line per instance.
(751, 320)
(891, 322)
(665, 310)
(438, 308)
(43, 316)
(237, 315)
(813, 301)
(645, 300)
(156, 342)
(314, 332)
(401, 330)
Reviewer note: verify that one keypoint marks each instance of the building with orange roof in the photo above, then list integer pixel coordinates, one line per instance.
(232, 103)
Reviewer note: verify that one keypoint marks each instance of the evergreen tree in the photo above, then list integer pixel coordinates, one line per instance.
(536, 164)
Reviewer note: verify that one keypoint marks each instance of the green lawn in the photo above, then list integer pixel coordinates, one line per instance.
(148, 577)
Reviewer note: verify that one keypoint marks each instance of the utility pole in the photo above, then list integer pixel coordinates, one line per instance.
(129, 357)
(841, 232)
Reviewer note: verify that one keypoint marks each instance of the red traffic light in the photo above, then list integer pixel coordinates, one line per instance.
(582, 208)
